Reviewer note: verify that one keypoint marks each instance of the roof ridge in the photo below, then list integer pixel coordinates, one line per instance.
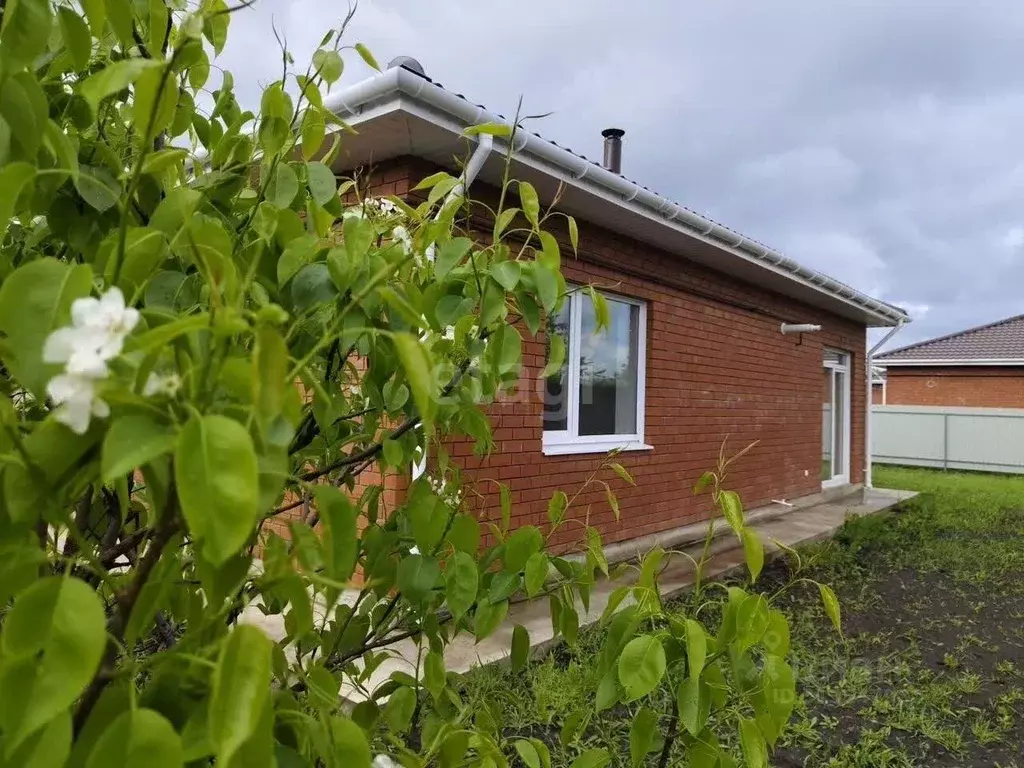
(946, 337)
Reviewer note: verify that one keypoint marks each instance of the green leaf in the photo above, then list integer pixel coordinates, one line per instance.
(642, 734)
(434, 675)
(755, 753)
(506, 274)
(527, 753)
(491, 129)
(25, 31)
(283, 186)
(114, 78)
(732, 508)
(34, 301)
(556, 355)
(417, 577)
(298, 253)
(520, 546)
(134, 440)
(158, 27)
(96, 13)
(215, 25)
(241, 686)
(312, 133)
(53, 641)
(592, 758)
(776, 637)
(23, 106)
(450, 254)
(641, 666)
(156, 97)
(76, 36)
(349, 746)
(98, 187)
(138, 737)
(831, 603)
(47, 747)
(418, 368)
(753, 549)
(556, 507)
(13, 179)
(400, 708)
(328, 64)
(574, 234)
(488, 618)
(706, 480)
(696, 647)
(547, 285)
(751, 620)
(779, 690)
(145, 251)
(339, 517)
(505, 495)
(520, 647)
(217, 478)
(462, 581)
(503, 220)
(322, 184)
(536, 573)
(465, 534)
(531, 204)
(366, 56)
(693, 700)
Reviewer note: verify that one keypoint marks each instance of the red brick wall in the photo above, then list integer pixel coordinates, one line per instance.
(996, 387)
(717, 369)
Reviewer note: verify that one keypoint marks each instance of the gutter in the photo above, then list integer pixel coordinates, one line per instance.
(604, 183)
(952, 363)
(870, 406)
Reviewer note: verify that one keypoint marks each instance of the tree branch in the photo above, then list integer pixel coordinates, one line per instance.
(125, 604)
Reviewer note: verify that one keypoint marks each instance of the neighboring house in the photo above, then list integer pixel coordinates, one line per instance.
(981, 367)
(696, 354)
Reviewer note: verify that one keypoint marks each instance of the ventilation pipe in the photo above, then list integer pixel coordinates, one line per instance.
(613, 149)
(788, 328)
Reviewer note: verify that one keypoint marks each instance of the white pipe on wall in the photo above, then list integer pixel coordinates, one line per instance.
(868, 364)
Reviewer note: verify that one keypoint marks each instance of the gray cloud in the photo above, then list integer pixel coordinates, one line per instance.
(879, 142)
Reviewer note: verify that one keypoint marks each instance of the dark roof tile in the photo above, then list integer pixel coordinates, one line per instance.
(1001, 340)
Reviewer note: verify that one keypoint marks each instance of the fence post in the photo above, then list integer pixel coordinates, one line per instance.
(945, 441)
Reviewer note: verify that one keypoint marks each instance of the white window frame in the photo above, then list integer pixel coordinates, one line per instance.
(569, 441)
(845, 366)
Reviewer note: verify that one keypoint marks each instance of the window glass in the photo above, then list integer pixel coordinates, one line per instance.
(608, 370)
(556, 386)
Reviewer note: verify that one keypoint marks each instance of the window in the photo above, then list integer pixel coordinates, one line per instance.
(595, 403)
(835, 418)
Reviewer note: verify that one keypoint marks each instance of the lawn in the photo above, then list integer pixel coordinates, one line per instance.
(929, 671)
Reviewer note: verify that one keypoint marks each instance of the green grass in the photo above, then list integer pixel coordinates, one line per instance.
(929, 671)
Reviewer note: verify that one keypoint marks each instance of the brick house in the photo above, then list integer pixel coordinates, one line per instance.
(980, 367)
(714, 336)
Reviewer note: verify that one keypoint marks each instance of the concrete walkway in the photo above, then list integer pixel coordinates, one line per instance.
(791, 527)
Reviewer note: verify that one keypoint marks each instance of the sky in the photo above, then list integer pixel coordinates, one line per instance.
(879, 141)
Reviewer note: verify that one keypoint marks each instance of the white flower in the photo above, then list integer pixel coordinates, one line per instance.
(414, 550)
(76, 400)
(449, 333)
(401, 234)
(430, 252)
(158, 384)
(386, 206)
(96, 335)
(383, 761)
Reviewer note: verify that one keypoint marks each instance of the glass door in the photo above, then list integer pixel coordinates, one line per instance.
(835, 418)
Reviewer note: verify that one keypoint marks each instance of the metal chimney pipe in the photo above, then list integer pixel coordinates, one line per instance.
(613, 149)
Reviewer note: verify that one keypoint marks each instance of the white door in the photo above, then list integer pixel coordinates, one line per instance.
(835, 421)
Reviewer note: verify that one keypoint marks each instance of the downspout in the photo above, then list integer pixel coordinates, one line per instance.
(868, 484)
(476, 161)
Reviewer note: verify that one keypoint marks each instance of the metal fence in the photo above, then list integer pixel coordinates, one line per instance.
(989, 439)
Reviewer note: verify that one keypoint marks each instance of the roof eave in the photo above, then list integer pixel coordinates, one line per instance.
(399, 83)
